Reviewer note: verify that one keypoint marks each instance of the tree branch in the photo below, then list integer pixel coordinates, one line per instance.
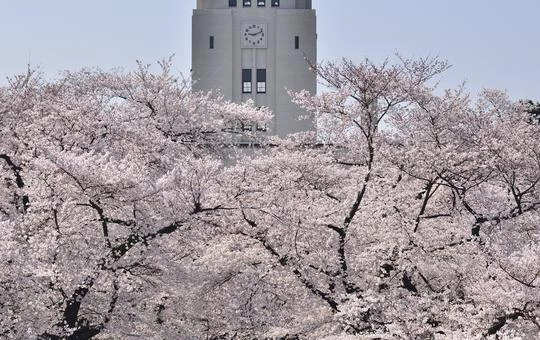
(19, 182)
(284, 261)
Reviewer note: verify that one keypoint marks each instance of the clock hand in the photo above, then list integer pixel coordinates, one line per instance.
(255, 33)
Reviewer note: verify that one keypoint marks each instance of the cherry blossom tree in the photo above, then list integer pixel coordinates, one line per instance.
(534, 109)
(129, 210)
(378, 224)
(90, 165)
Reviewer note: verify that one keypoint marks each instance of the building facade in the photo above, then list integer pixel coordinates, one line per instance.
(257, 49)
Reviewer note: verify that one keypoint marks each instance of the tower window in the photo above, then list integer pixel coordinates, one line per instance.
(261, 3)
(247, 3)
(296, 42)
(261, 80)
(232, 3)
(211, 42)
(275, 3)
(246, 80)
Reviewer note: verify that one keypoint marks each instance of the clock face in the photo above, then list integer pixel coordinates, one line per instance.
(253, 35)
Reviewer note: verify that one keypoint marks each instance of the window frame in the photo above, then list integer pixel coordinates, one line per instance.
(275, 3)
(263, 127)
(246, 3)
(212, 42)
(261, 3)
(233, 3)
(247, 80)
(261, 80)
(296, 42)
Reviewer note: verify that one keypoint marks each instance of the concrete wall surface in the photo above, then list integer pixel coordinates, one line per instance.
(286, 67)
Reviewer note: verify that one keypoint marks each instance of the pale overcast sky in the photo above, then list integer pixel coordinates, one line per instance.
(490, 43)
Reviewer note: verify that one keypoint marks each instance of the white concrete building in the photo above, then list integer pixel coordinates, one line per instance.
(256, 49)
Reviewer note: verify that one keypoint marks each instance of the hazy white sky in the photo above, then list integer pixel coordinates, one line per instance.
(490, 43)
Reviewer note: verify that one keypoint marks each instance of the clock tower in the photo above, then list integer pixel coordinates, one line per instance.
(256, 49)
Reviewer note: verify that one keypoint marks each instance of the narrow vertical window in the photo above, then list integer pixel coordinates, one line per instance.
(296, 42)
(275, 3)
(246, 80)
(261, 81)
(232, 3)
(261, 3)
(211, 42)
(247, 3)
